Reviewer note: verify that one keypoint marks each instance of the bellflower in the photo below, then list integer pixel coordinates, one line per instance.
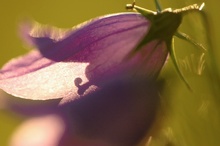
(72, 63)
(75, 62)
(109, 64)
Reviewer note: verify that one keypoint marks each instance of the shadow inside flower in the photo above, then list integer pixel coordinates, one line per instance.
(121, 112)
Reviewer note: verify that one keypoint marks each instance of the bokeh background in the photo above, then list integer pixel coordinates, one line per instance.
(187, 119)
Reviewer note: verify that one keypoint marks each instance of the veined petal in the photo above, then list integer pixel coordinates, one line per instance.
(85, 58)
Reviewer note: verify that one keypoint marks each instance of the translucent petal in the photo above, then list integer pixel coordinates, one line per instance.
(84, 59)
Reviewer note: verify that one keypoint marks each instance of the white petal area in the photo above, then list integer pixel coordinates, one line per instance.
(35, 85)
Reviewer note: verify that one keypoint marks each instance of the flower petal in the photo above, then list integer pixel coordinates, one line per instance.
(84, 59)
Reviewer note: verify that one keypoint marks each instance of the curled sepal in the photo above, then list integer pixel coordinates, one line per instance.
(173, 57)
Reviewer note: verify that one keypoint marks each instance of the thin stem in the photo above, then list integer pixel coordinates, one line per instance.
(158, 6)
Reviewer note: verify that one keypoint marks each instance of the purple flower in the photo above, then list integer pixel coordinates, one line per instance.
(108, 64)
(116, 98)
(73, 63)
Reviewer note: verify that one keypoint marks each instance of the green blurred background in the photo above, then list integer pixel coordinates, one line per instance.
(189, 119)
